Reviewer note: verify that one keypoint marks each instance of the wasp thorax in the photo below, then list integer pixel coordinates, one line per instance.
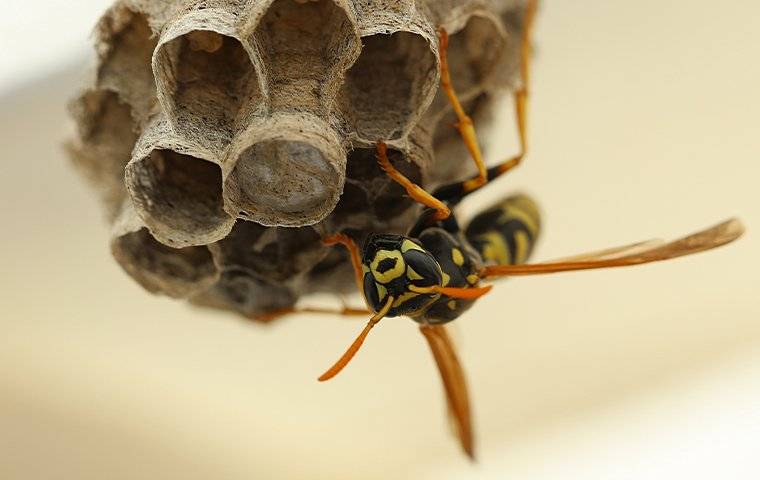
(395, 266)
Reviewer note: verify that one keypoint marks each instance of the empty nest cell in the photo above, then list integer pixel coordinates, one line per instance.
(389, 85)
(125, 46)
(306, 47)
(179, 197)
(176, 272)
(206, 79)
(105, 142)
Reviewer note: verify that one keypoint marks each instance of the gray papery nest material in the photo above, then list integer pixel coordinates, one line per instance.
(225, 137)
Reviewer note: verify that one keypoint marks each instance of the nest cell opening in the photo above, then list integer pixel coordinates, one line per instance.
(176, 272)
(284, 182)
(213, 78)
(305, 45)
(105, 143)
(179, 195)
(108, 128)
(126, 67)
(388, 85)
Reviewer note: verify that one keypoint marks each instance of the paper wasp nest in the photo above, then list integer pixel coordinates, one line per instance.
(225, 137)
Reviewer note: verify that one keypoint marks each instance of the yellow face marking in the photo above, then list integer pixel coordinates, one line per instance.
(451, 304)
(391, 274)
(521, 246)
(404, 298)
(365, 269)
(407, 245)
(472, 279)
(381, 291)
(495, 249)
(412, 274)
(446, 278)
(457, 257)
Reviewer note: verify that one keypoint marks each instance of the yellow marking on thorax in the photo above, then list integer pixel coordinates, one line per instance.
(407, 245)
(495, 248)
(412, 274)
(457, 257)
(388, 276)
(522, 245)
(446, 278)
(452, 304)
(473, 279)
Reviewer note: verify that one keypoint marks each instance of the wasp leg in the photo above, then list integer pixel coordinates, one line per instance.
(418, 193)
(455, 192)
(464, 122)
(353, 250)
(454, 383)
(281, 312)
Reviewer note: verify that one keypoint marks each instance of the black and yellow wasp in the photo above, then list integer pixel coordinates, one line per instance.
(435, 272)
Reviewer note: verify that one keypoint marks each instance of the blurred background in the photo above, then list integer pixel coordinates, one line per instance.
(644, 123)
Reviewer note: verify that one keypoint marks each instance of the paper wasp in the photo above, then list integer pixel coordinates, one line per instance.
(435, 272)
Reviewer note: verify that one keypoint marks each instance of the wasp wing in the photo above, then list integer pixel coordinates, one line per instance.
(707, 239)
(454, 383)
(610, 253)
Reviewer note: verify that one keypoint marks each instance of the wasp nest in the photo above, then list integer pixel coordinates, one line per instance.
(226, 137)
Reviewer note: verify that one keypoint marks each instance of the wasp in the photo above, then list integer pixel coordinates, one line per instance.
(437, 270)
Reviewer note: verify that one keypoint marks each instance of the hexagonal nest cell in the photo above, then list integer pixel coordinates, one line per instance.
(225, 138)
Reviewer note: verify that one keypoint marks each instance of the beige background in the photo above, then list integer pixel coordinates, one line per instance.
(644, 123)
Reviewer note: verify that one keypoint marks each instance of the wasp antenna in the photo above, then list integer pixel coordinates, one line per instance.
(356, 345)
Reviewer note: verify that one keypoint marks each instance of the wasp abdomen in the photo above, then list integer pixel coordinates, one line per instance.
(506, 233)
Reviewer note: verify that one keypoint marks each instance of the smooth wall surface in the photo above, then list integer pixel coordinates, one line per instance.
(644, 123)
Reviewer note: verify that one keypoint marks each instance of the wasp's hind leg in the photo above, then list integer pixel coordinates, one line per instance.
(455, 192)
(440, 210)
(451, 194)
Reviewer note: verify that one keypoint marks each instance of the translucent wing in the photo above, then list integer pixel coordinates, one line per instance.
(453, 383)
(633, 254)
(610, 253)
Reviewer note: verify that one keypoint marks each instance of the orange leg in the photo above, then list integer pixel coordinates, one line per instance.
(276, 314)
(464, 122)
(418, 193)
(465, 126)
(521, 94)
(356, 259)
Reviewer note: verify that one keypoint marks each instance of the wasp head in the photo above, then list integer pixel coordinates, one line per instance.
(395, 265)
